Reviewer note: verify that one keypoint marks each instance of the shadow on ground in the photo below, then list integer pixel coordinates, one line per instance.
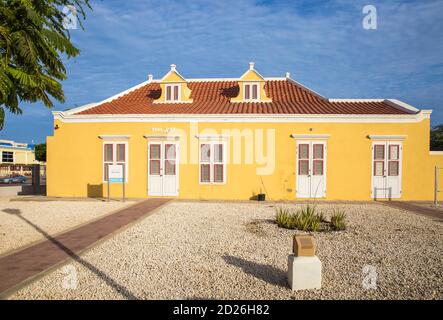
(265, 272)
(108, 280)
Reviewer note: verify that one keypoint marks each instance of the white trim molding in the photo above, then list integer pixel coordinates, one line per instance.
(436, 153)
(114, 137)
(387, 137)
(400, 105)
(162, 137)
(213, 137)
(265, 118)
(305, 87)
(310, 136)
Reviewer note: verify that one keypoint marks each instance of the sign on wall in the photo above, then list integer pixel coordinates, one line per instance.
(116, 173)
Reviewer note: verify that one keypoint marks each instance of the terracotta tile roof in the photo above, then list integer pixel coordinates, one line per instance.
(213, 97)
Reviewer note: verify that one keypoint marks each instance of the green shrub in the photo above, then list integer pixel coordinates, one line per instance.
(284, 218)
(305, 219)
(338, 220)
(308, 218)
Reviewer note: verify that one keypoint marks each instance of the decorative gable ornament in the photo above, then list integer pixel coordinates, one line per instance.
(251, 87)
(174, 88)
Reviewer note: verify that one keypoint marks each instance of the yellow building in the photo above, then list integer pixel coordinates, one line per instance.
(16, 153)
(235, 138)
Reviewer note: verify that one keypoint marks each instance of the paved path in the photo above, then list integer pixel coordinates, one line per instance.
(29, 262)
(416, 208)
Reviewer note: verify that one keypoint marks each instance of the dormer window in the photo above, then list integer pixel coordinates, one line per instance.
(173, 92)
(251, 91)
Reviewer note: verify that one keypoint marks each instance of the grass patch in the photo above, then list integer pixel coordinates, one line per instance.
(338, 220)
(308, 218)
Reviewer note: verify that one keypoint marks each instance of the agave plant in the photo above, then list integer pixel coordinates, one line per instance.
(338, 220)
(305, 219)
(308, 218)
(284, 218)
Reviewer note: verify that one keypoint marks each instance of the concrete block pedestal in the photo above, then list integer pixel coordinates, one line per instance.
(304, 272)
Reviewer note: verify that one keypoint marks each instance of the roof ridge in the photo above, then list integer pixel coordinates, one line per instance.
(289, 97)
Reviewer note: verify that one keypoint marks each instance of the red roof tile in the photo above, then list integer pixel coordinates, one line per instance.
(213, 97)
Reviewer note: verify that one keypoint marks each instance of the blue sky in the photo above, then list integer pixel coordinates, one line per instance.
(322, 44)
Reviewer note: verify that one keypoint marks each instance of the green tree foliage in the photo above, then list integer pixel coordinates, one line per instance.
(33, 41)
(40, 152)
(437, 138)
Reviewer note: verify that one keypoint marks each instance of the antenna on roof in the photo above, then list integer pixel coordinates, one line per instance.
(251, 65)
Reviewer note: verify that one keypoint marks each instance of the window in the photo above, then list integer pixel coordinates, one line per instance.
(318, 160)
(251, 91)
(154, 159)
(379, 160)
(7, 156)
(393, 160)
(303, 162)
(115, 153)
(173, 92)
(170, 158)
(212, 162)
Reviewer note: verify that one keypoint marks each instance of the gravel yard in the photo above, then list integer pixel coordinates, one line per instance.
(204, 250)
(19, 220)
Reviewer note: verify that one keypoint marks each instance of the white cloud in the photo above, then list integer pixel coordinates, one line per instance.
(323, 44)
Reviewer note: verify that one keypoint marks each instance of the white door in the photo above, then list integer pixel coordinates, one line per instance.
(163, 169)
(311, 169)
(386, 170)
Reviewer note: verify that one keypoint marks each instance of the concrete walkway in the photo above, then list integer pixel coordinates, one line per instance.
(24, 265)
(418, 208)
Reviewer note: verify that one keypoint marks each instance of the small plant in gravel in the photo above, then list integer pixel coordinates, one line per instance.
(308, 218)
(284, 218)
(338, 220)
(305, 219)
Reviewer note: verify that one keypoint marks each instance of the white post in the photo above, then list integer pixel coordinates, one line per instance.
(109, 185)
(123, 181)
(435, 186)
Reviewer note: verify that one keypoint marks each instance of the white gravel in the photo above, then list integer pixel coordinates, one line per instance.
(235, 251)
(19, 220)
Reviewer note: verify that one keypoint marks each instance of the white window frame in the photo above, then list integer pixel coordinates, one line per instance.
(250, 84)
(114, 158)
(212, 162)
(172, 86)
(13, 156)
(311, 142)
(387, 144)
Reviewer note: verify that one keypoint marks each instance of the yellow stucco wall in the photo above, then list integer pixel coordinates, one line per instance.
(21, 156)
(74, 160)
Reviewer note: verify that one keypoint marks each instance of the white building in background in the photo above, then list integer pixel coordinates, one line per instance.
(17, 153)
